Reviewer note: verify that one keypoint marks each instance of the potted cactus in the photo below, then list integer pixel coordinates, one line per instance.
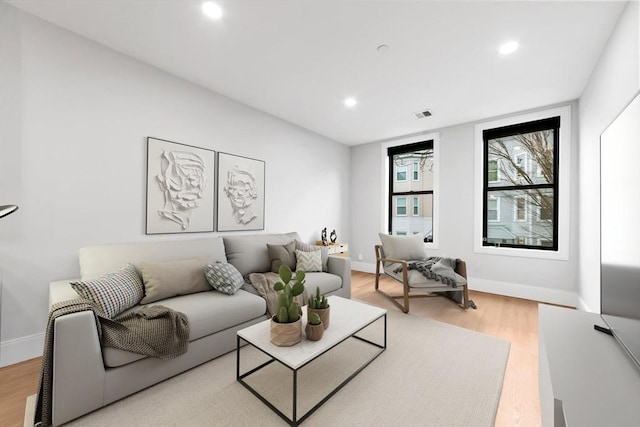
(286, 325)
(319, 304)
(314, 328)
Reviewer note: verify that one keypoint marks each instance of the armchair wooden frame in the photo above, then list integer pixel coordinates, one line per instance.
(461, 269)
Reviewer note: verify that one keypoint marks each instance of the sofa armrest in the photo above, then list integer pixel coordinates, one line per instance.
(61, 290)
(341, 266)
(78, 368)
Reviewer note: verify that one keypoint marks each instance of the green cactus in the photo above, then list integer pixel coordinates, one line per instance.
(287, 309)
(314, 319)
(318, 301)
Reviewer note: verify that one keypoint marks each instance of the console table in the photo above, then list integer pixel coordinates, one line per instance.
(340, 249)
(585, 377)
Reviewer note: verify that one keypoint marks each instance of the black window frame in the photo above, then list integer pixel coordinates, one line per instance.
(516, 129)
(402, 149)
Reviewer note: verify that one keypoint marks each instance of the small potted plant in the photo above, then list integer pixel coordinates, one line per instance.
(314, 328)
(319, 304)
(286, 324)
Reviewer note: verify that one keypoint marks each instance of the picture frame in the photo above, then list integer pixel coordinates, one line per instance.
(180, 188)
(241, 193)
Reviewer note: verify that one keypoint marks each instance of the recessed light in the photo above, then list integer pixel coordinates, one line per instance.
(383, 48)
(212, 10)
(509, 47)
(350, 102)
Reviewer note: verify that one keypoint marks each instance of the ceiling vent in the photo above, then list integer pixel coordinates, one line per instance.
(422, 114)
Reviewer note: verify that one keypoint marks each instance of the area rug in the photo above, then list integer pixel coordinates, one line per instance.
(432, 374)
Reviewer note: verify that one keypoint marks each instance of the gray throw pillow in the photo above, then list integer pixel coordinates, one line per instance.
(282, 254)
(223, 277)
(169, 279)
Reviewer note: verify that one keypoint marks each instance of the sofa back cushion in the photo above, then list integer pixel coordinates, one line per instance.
(98, 260)
(248, 252)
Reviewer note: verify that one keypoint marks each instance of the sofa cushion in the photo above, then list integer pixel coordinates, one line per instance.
(309, 261)
(326, 282)
(208, 313)
(113, 293)
(324, 252)
(168, 279)
(403, 247)
(249, 253)
(98, 260)
(282, 254)
(223, 277)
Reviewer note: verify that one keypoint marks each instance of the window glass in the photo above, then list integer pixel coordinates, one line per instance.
(521, 191)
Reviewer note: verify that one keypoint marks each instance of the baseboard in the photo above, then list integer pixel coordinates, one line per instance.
(366, 267)
(21, 349)
(534, 293)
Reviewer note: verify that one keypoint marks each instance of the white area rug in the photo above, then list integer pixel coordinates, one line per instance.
(432, 374)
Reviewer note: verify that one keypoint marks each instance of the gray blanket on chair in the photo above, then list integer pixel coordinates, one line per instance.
(438, 269)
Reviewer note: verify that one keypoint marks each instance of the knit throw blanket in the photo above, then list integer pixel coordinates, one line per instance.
(438, 269)
(155, 331)
(263, 282)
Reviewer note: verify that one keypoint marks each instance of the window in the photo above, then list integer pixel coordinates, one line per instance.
(401, 206)
(492, 165)
(401, 173)
(493, 209)
(521, 210)
(418, 190)
(524, 156)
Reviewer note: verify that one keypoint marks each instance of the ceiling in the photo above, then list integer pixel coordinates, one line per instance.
(299, 59)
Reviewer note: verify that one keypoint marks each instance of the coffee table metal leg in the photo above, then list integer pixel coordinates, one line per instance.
(294, 415)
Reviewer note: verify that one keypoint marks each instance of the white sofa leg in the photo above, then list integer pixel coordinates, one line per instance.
(78, 369)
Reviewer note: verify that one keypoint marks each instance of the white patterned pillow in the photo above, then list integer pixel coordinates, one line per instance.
(324, 251)
(224, 277)
(113, 292)
(309, 261)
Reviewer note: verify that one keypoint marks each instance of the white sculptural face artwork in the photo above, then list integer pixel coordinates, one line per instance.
(182, 180)
(241, 191)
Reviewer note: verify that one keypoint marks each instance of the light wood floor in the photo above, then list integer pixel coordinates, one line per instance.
(510, 318)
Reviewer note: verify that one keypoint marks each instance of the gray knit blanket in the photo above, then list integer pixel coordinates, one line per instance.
(155, 331)
(438, 269)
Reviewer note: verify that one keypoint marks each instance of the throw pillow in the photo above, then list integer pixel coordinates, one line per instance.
(168, 279)
(282, 254)
(324, 252)
(224, 277)
(113, 293)
(403, 247)
(309, 261)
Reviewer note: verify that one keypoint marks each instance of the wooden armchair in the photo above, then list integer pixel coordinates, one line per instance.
(414, 281)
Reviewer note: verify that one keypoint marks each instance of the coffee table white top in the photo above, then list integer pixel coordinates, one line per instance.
(347, 317)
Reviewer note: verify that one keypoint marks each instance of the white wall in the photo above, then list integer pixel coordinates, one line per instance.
(75, 117)
(539, 279)
(612, 85)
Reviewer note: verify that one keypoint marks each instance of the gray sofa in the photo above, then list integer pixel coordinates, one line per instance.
(87, 376)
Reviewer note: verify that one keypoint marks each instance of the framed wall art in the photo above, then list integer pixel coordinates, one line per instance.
(180, 188)
(240, 193)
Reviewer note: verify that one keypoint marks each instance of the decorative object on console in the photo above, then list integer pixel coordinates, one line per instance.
(333, 236)
(7, 209)
(240, 193)
(324, 236)
(314, 328)
(180, 191)
(318, 304)
(286, 324)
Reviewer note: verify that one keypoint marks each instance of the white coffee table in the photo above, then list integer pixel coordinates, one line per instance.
(348, 317)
